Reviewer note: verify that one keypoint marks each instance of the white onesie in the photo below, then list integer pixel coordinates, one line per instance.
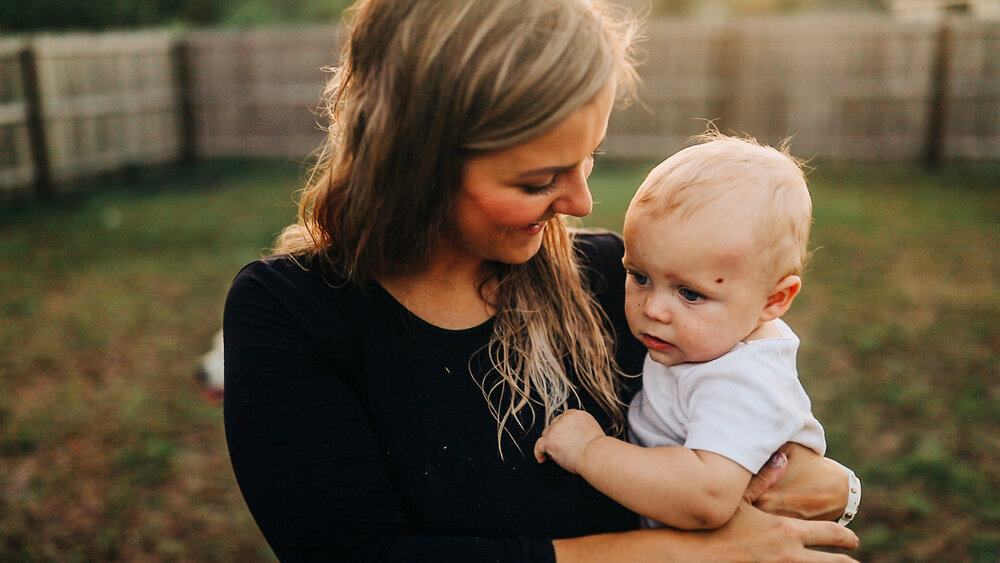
(743, 405)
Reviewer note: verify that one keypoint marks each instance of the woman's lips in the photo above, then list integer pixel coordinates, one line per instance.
(532, 229)
(654, 343)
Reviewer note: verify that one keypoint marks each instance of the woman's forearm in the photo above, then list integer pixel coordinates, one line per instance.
(812, 488)
(751, 535)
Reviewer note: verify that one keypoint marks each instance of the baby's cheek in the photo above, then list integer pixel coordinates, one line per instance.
(704, 344)
(633, 300)
(632, 313)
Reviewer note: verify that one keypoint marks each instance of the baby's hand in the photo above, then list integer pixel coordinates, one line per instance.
(567, 437)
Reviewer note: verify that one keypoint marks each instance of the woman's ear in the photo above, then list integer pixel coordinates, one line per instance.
(781, 297)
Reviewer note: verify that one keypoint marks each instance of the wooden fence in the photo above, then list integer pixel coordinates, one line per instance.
(866, 87)
(16, 166)
(79, 105)
(254, 93)
(845, 88)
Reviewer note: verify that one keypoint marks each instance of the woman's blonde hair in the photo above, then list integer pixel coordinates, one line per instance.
(424, 84)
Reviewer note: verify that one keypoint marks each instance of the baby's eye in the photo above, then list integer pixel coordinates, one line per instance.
(640, 279)
(690, 295)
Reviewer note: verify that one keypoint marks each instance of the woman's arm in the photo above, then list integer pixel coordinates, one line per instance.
(751, 535)
(811, 487)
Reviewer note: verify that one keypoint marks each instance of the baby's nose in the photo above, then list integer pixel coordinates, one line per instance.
(657, 310)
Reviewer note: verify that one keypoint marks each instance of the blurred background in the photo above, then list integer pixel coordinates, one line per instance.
(150, 148)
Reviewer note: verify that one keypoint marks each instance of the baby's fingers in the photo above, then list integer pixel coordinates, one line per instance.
(540, 449)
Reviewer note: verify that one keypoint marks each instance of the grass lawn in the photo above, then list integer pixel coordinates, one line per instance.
(109, 452)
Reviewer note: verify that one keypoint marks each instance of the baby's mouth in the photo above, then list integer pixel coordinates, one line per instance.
(654, 343)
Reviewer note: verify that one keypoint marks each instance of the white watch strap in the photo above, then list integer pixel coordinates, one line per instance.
(853, 495)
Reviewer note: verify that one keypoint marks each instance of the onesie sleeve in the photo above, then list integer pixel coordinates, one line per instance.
(301, 445)
(745, 409)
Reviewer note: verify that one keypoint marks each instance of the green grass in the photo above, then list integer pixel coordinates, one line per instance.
(108, 451)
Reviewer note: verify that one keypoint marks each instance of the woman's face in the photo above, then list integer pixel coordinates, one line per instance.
(508, 196)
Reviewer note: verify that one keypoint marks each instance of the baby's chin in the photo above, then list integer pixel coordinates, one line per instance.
(667, 359)
(677, 356)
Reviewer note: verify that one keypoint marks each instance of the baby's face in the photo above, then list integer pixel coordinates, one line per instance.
(692, 291)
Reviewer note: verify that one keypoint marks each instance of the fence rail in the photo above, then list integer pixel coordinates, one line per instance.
(867, 87)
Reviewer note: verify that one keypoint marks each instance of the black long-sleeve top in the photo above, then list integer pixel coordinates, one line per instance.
(357, 432)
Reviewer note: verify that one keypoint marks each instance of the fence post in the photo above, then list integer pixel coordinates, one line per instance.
(938, 107)
(35, 123)
(181, 60)
(725, 67)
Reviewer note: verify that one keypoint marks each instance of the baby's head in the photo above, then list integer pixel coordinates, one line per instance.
(716, 238)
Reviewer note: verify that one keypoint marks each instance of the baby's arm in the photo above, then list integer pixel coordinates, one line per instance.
(682, 488)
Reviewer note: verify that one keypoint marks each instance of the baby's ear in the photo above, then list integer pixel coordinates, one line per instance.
(781, 297)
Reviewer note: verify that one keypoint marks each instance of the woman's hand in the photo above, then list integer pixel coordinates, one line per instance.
(751, 535)
(808, 486)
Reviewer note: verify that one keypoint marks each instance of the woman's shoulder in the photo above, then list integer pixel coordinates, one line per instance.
(600, 255)
(296, 270)
(290, 298)
(599, 246)
(291, 279)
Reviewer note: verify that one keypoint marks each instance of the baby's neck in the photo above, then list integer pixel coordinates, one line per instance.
(765, 330)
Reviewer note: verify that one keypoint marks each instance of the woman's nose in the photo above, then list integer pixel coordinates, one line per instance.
(575, 199)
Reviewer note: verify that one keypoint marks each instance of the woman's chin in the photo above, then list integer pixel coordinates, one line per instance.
(524, 254)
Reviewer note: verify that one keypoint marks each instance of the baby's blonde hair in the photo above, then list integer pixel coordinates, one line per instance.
(721, 166)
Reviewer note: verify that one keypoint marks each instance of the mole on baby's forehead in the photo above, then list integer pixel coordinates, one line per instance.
(720, 280)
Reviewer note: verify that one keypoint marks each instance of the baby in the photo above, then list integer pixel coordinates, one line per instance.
(715, 242)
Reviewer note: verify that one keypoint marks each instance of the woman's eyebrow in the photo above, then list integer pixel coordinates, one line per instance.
(546, 171)
(556, 169)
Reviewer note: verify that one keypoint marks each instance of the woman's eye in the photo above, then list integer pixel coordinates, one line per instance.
(690, 295)
(542, 189)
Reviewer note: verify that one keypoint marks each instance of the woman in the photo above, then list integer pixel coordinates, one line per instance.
(388, 371)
